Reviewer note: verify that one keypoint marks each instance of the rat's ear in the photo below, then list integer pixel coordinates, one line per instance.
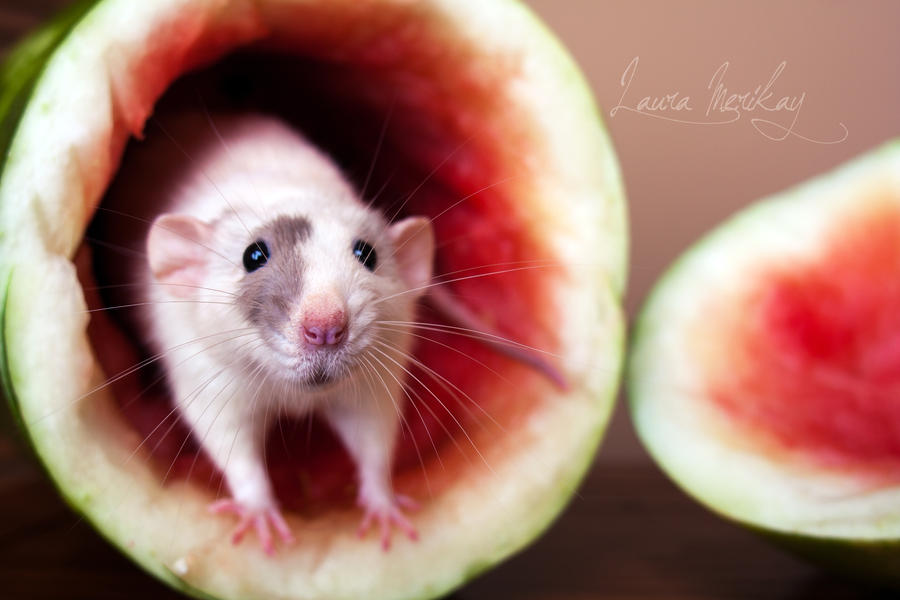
(413, 241)
(177, 250)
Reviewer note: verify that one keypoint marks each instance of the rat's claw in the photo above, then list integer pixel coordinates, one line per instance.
(280, 526)
(406, 502)
(260, 521)
(389, 516)
(261, 524)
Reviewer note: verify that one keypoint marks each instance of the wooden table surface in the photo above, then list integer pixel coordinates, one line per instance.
(630, 534)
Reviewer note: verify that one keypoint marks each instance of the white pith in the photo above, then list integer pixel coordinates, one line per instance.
(679, 426)
(56, 173)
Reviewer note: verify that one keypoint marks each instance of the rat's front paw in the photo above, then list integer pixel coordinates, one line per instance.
(388, 513)
(262, 520)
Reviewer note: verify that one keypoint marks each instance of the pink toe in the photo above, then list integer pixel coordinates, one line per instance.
(407, 502)
(281, 526)
(265, 536)
(385, 536)
(365, 525)
(408, 529)
(261, 522)
(239, 533)
(222, 506)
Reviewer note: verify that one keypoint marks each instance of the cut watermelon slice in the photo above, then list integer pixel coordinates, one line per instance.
(485, 101)
(765, 370)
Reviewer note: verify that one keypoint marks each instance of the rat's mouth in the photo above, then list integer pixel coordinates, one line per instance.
(320, 378)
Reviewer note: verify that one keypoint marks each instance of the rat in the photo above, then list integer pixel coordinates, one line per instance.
(255, 241)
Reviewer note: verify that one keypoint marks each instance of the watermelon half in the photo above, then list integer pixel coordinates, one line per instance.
(765, 374)
(484, 124)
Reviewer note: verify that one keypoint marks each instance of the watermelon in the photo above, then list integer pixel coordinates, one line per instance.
(484, 124)
(765, 363)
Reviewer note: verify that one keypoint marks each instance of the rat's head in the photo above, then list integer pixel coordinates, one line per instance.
(313, 282)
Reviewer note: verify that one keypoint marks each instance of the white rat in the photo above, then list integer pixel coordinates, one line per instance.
(262, 250)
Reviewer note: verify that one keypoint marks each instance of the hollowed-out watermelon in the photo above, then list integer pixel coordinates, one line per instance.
(477, 101)
(766, 367)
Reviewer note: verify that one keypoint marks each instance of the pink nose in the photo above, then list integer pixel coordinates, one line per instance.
(325, 330)
(329, 336)
(323, 320)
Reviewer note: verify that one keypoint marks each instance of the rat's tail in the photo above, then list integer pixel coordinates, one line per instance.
(457, 314)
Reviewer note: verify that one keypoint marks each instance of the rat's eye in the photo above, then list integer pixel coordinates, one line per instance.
(365, 253)
(256, 255)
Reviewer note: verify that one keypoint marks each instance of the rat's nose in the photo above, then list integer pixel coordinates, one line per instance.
(324, 320)
(322, 336)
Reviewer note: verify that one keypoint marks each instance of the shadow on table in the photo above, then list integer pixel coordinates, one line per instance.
(632, 535)
(825, 586)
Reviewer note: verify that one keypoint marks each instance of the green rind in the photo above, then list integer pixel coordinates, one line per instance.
(873, 561)
(23, 66)
(19, 77)
(618, 275)
(6, 387)
(19, 74)
(578, 472)
(24, 432)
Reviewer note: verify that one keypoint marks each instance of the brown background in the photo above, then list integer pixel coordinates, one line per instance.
(681, 180)
(629, 534)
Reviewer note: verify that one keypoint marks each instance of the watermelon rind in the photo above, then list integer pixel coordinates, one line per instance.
(61, 108)
(830, 515)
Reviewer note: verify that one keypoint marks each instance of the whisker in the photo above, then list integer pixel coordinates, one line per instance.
(468, 333)
(115, 247)
(536, 262)
(383, 187)
(265, 422)
(202, 443)
(176, 407)
(452, 206)
(195, 394)
(218, 134)
(475, 193)
(456, 279)
(431, 174)
(447, 346)
(153, 302)
(255, 374)
(203, 172)
(159, 283)
(179, 234)
(447, 385)
(130, 370)
(184, 404)
(412, 403)
(377, 153)
(146, 438)
(449, 412)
